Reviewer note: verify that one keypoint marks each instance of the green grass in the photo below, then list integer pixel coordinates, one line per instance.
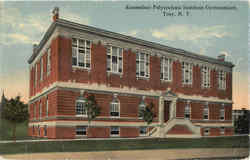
(124, 144)
(6, 131)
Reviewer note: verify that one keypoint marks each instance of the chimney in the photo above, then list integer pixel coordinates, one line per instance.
(55, 13)
(221, 57)
(34, 47)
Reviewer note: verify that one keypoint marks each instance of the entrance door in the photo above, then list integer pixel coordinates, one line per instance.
(166, 110)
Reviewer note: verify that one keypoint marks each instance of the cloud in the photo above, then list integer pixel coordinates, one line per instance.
(132, 33)
(189, 33)
(23, 29)
(75, 17)
(235, 61)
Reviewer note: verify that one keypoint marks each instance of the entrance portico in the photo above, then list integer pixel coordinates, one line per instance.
(167, 107)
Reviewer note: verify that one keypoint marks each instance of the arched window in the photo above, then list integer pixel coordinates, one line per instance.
(80, 105)
(187, 111)
(141, 108)
(115, 107)
(222, 112)
(206, 112)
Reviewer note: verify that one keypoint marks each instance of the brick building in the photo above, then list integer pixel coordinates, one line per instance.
(191, 93)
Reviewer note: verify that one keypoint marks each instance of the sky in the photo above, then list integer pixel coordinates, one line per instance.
(207, 32)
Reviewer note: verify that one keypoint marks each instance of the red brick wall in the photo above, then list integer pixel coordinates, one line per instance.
(98, 132)
(47, 80)
(128, 132)
(65, 132)
(128, 104)
(179, 129)
(62, 71)
(229, 131)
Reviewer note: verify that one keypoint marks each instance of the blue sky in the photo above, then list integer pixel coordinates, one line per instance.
(206, 32)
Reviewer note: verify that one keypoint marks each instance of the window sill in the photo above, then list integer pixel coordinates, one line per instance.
(142, 78)
(81, 68)
(165, 81)
(115, 117)
(187, 85)
(81, 116)
(114, 73)
(81, 136)
(115, 135)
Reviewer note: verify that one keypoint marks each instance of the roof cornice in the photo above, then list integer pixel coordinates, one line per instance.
(113, 35)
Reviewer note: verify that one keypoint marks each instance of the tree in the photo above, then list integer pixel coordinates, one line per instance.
(147, 114)
(15, 111)
(242, 124)
(93, 110)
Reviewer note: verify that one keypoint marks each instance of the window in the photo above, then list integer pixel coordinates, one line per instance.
(47, 107)
(222, 130)
(81, 53)
(38, 129)
(33, 130)
(166, 69)
(114, 131)
(80, 108)
(206, 112)
(207, 131)
(41, 71)
(187, 111)
(222, 80)
(114, 59)
(142, 65)
(48, 62)
(40, 110)
(143, 131)
(45, 130)
(142, 107)
(222, 113)
(35, 75)
(187, 73)
(115, 107)
(81, 130)
(205, 73)
(34, 111)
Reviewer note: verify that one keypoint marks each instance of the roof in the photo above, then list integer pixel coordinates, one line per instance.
(106, 33)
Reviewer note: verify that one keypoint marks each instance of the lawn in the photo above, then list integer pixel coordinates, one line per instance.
(6, 130)
(123, 144)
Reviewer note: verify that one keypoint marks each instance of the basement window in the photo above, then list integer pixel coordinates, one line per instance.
(81, 130)
(81, 53)
(114, 59)
(143, 131)
(206, 131)
(114, 131)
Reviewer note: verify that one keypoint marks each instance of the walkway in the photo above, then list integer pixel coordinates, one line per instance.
(170, 154)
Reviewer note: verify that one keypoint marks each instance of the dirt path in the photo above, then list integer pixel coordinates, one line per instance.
(169, 154)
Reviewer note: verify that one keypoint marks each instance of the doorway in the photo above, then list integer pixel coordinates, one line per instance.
(166, 110)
